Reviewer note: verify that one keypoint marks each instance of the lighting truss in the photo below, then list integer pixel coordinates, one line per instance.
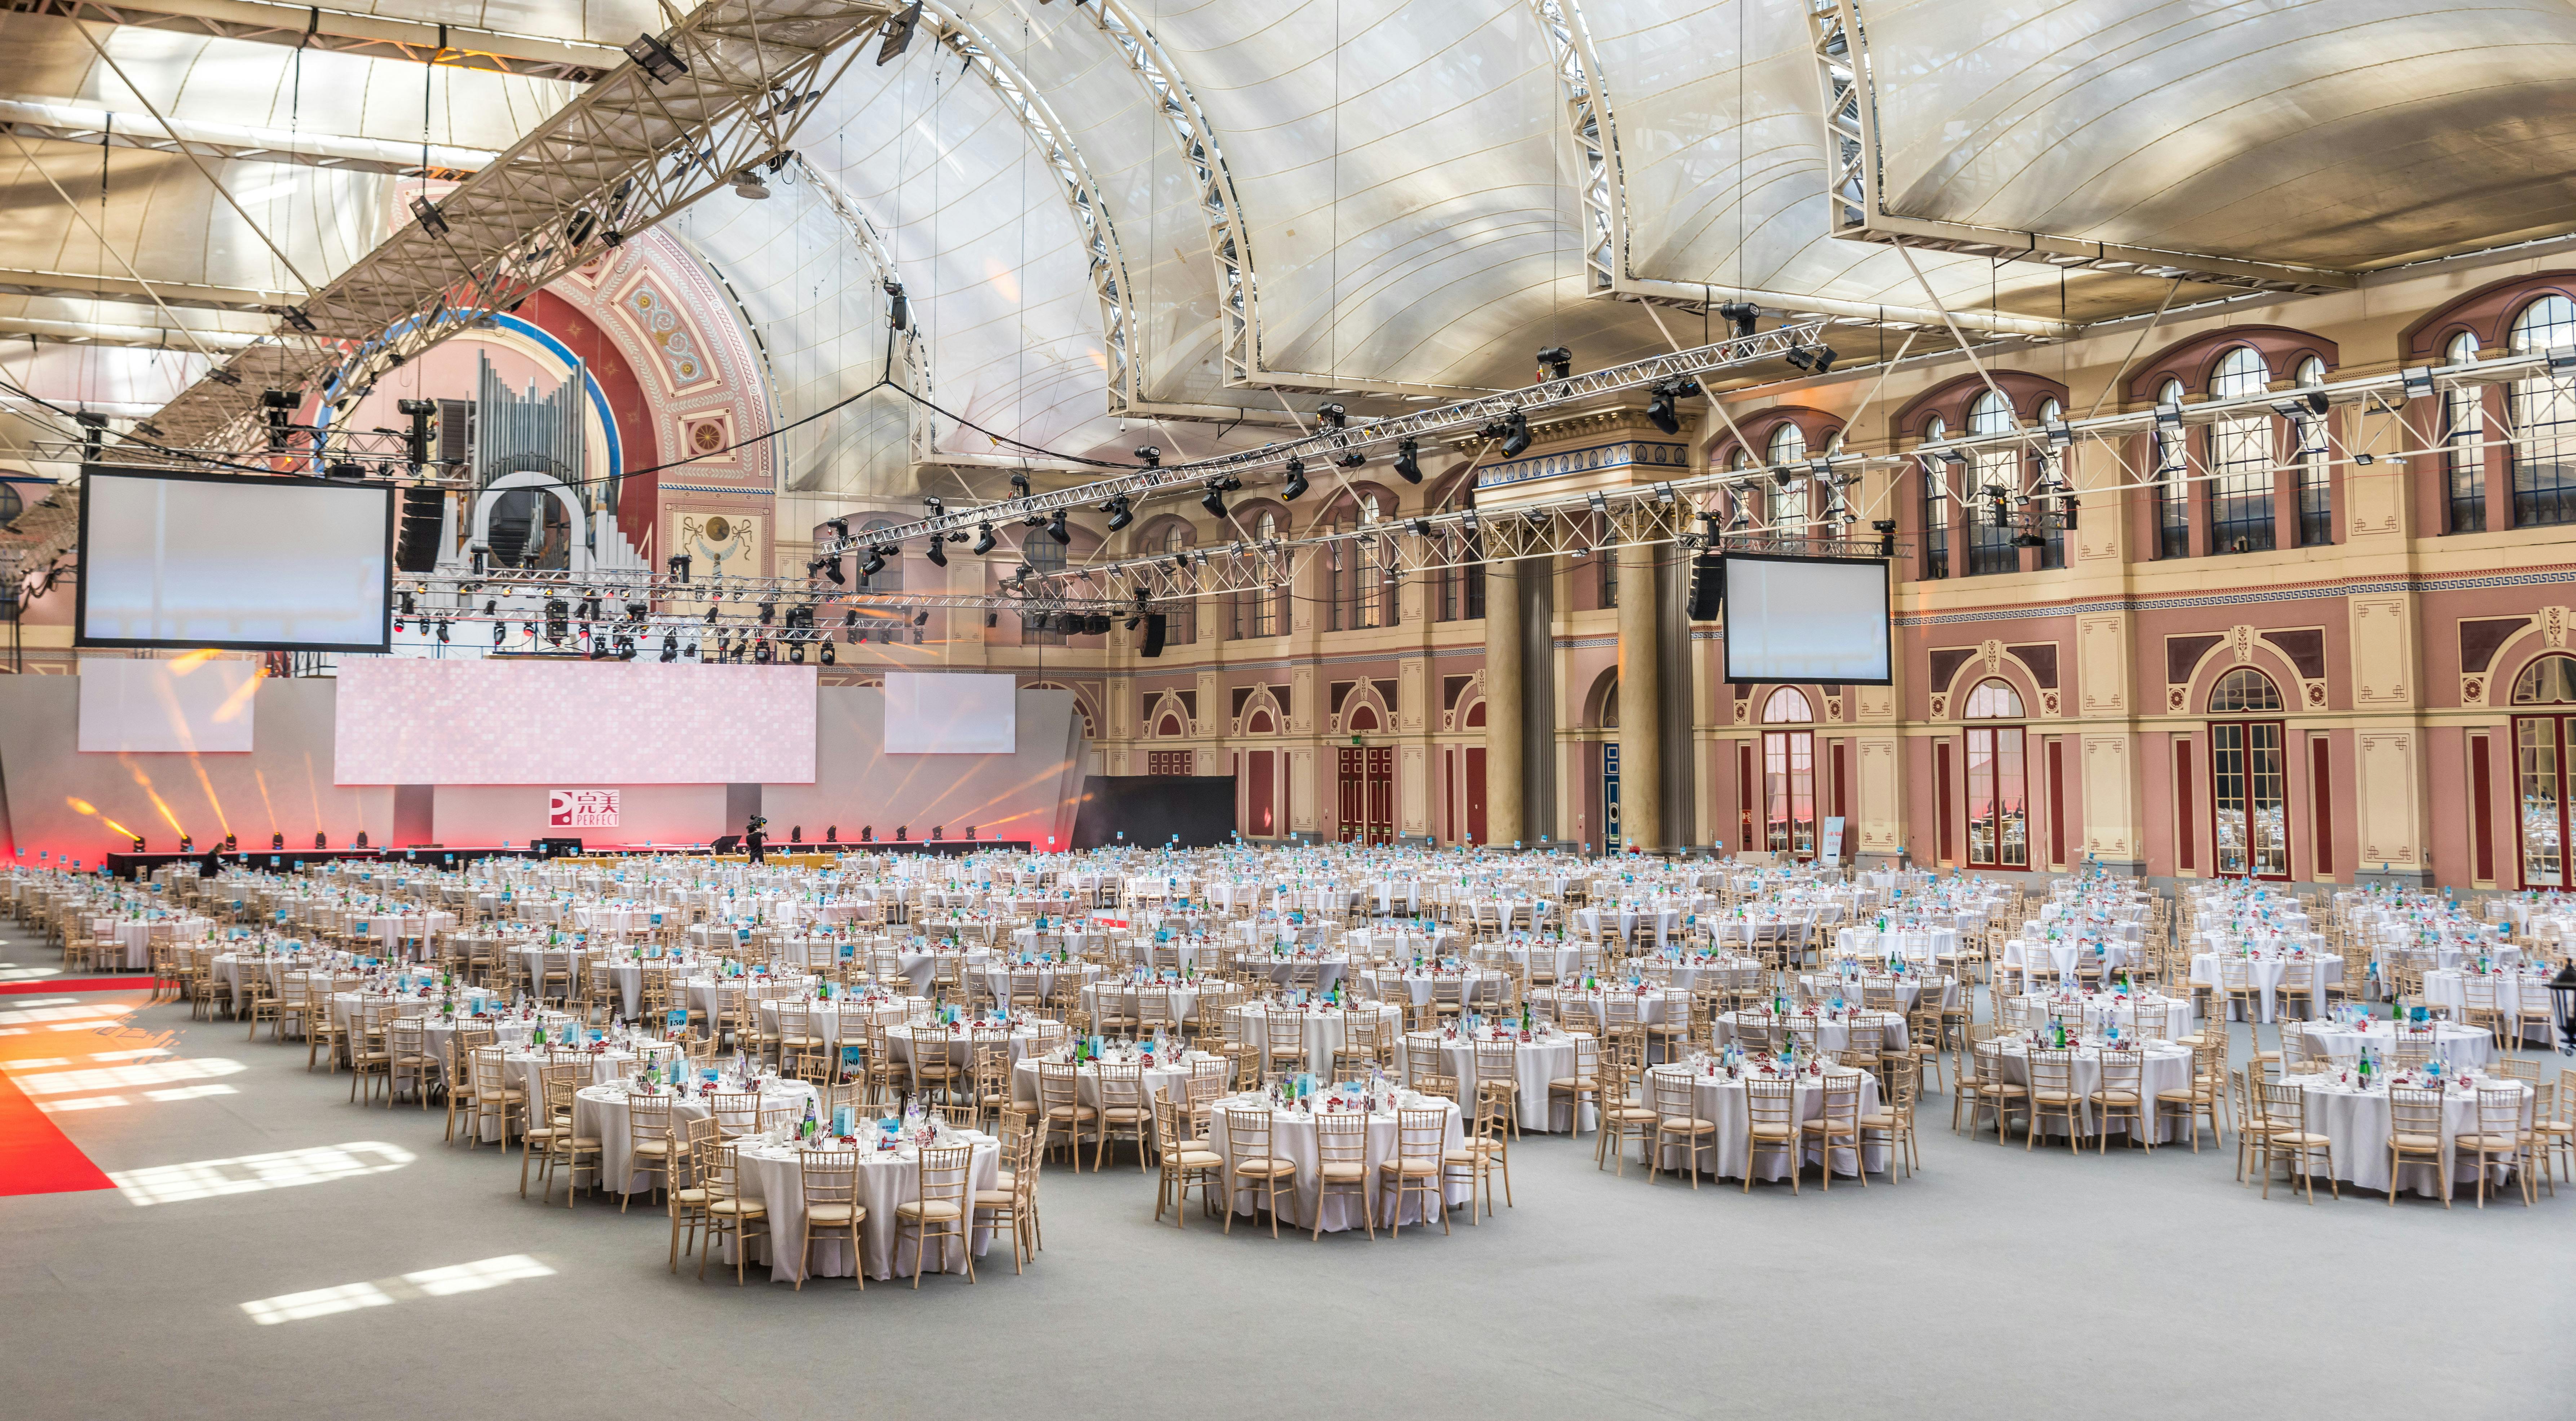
(733, 597)
(623, 156)
(1462, 418)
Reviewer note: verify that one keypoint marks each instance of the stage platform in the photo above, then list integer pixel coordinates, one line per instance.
(135, 866)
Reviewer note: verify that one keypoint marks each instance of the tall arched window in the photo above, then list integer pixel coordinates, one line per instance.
(1998, 780)
(2240, 459)
(1358, 597)
(888, 578)
(2173, 474)
(1788, 776)
(1260, 612)
(2249, 777)
(2316, 486)
(1785, 513)
(2464, 462)
(1045, 555)
(2052, 467)
(1936, 503)
(1181, 616)
(2547, 686)
(1990, 546)
(2544, 419)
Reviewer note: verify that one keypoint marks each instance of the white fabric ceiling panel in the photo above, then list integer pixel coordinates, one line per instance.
(2341, 132)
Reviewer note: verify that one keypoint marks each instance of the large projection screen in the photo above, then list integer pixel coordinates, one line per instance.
(402, 720)
(1806, 619)
(187, 560)
(956, 714)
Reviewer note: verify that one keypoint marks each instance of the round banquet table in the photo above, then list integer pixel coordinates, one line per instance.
(2101, 1010)
(994, 980)
(1535, 1063)
(1624, 918)
(1292, 1137)
(824, 1018)
(2055, 958)
(1831, 1034)
(2165, 1068)
(1693, 973)
(2358, 1123)
(2269, 973)
(2462, 1047)
(919, 967)
(775, 1175)
(1122, 994)
(1720, 1100)
(599, 1112)
(1484, 986)
(1557, 960)
(1328, 969)
(1921, 945)
(1653, 1006)
(1908, 987)
(2513, 992)
(1160, 1080)
(1323, 1030)
(957, 1046)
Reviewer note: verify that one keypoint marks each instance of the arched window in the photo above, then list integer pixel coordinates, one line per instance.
(1358, 597)
(1787, 706)
(1261, 612)
(2464, 461)
(2249, 778)
(2544, 419)
(1992, 700)
(1785, 512)
(2540, 746)
(1936, 502)
(2173, 474)
(888, 578)
(1998, 780)
(2316, 486)
(2052, 471)
(1788, 776)
(1181, 615)
(1990, 545)
(2240, 458)
(1044, 554)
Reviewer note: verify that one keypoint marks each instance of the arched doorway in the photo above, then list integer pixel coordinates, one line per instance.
(2548, 687)
(2249, 777)
(1998, 779)
(1367, 783)
(1789, 775)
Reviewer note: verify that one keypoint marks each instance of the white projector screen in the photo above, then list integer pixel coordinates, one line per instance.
(188, 705)
(248, 564)
(964, 714)
(1806, 619)
(401, 720)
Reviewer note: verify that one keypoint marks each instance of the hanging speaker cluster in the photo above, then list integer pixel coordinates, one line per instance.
(416, 536)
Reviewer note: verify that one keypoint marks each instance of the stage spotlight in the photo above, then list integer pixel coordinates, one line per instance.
(1660, 407)
(898, 309)
(670, 648)
(1352, 459)
(761, 654)
(1516, 435)
(839, 527)
(832, 570)
(1296, 485)
(1214, 500)
(768, 611)
(921, 618)
(936, 551)
(1740, 314)
(983, 539)
(1555, 363)
(872, 564)
(1334, 417)
(1151, 454)
(1055, 528)
(896, 37)
(747, 184)
(824, 651)
(935, 508)
(796, 653)
(1120, 512)
(625, 648)
(678, 563)
(1408, 461)
(1815, 360)
(656, 58)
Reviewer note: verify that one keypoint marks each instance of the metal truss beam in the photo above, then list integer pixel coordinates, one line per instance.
(1850, 107)
(304, 27)
(618, 159)
(1593, 130)
(1460, 419)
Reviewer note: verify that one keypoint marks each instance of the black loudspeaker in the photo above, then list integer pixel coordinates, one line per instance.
(416, 537)
(1154, 625)
(1708, 587)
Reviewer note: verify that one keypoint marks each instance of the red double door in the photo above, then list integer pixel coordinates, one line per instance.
(1368, 795)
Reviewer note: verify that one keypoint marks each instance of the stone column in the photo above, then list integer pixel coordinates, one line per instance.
(1641, 701)
(1506, 797)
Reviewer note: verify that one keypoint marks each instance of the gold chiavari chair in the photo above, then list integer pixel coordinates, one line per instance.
(688, 1202)
(1416, 1169)
(1892, 1124)
(370, 1056)
(567, 1147)
(1677, 1121)
(2499, 1134)
(1187, 1162)
(1251, 1164)
(728, 1214)
(655, 1146)
(939, 1209)
(407, 1039)
(1013, 1202)
(2053, 1096)
(2120, 1093)
(2198, 1100)
(1771, 1127)
(2415, 1132)
(1060, 1108)
(1124, 1110)
(1487, 1151)
(2285, 1138)
(1574, 1089)
(832, 1210)
(324, 1031)
(1341, 1152)
(1835, 1127)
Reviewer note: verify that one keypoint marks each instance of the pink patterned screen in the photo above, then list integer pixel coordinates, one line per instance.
(402, 720)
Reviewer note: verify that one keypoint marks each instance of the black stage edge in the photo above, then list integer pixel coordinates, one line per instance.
(445, 856)
(1150, 809)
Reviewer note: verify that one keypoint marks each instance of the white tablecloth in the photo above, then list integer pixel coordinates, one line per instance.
(1720, 1100)
(1292, 1137)
(2358, 1124)
(1535, 1064)
(776, 1176)
(2164, 1068)
(2464, 1047)
(2317, 970)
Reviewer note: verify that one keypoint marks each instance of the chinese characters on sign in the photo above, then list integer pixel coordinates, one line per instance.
(581, 809)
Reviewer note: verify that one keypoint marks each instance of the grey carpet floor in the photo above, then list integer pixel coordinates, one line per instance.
(1998, 1282)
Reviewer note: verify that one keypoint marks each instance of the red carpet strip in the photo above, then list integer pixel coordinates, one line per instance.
(35, 1158)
